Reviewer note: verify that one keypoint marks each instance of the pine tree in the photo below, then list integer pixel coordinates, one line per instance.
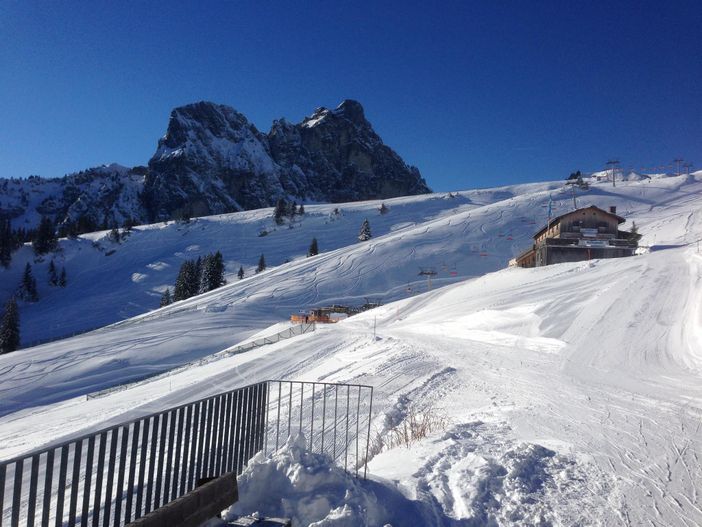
(187, 283)
(634, 235)
(281, 209)
(7, 242)
(9, 327)
(206, 270)
(114, 235)
(218, 279)
(198, 276)
(53, 277)
(166, 298)
(365, 233)
(301, 210)
(261, 264)
(44, 239)
(28, 287)
(62, 279)
(314, 249)
(240, 274)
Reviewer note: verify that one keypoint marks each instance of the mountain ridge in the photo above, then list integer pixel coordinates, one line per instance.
(213, 160)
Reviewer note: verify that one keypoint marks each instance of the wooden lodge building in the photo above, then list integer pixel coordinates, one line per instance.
(581, 234)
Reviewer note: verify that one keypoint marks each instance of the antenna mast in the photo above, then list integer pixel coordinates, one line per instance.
(678, 161)
(613, 163)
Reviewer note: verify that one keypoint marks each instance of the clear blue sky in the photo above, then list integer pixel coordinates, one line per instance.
(473, 93)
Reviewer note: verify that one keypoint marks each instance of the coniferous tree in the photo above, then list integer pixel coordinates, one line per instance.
(166, 298)
(53, 276)
(187, 283)
(261, 264)
(62, 279)
(28, 287)
(9, 327)
(314, 249)
(281, 209)
(205, 273)
(218, 279)
(44, 239)
(301, 210)
(365, 233)
(198, 275)
(634, 235)
(240, 274)
(114, 235)
(7, 242)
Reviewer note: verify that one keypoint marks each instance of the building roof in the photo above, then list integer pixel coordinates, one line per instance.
(557, 219)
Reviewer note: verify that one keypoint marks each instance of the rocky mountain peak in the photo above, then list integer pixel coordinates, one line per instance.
(352, 110)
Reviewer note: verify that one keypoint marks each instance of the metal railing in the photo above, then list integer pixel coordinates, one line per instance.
(118, 474)
(334, 418)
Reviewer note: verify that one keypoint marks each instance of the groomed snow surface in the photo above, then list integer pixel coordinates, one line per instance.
(562, 395)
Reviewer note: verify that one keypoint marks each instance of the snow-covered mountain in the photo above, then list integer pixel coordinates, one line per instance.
(213, 160)
(571, 392)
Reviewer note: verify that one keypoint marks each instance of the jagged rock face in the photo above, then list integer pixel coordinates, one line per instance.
(342, 158)
(213, 160)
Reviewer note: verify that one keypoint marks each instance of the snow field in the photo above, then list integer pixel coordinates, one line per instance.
(570, 393)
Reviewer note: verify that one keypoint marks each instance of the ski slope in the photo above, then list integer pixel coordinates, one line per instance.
(571, 393)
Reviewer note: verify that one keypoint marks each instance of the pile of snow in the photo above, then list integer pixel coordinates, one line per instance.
(525, 484)
(310, 490)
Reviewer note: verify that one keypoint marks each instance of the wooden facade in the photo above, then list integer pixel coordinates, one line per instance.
(578, 235)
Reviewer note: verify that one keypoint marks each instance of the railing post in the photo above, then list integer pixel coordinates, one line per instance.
(16, 493)
(75, 475)
(33, 483)
(370, 410)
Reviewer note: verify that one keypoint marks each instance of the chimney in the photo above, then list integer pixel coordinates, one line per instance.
(612, 209)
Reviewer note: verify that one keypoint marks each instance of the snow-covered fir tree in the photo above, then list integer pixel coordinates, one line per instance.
(28, 287)
(281, 209)
(45, 239)
(240, 274)
(166, 298)
(9, 327)
(7, 242)
(212, 275)
(314, 248)
(187, 283)
(261, 264)
(365, 233)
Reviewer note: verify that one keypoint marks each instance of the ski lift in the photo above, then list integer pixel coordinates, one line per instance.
(430, 273)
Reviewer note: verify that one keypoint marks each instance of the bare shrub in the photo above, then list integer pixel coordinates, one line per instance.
(417, 425)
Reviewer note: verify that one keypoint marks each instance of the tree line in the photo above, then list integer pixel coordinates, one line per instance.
(196, 277)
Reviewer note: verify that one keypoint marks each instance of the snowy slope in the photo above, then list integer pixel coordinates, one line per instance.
(572, 392)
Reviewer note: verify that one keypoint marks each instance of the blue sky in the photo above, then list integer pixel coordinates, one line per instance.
(473, 93)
